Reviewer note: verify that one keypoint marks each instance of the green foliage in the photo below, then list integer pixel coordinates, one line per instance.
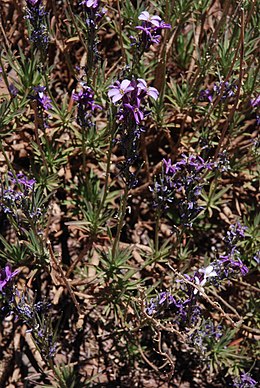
(213, 198)
(224, 355)
(15, 253)
(99, 262)
(27, 70)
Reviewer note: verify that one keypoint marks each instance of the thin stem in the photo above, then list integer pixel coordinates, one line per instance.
(120, 223)
(241, 73)
(84, 164)
(76, 26)
(36, 128)
(156, 235)
(65, 281)
(120, 33)
(112, 130)
(105, 189)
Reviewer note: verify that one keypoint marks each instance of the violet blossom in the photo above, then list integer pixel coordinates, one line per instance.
(132, 95)
(149, 90)
(226, 89)
(205, 335)
(6, 275)
(118, 90)
(85, 105)
(43, 100)
(255, 102)
(17, 200)
(150, 32)
(244, 381)
(37, 318)
(22, 180)
(205, 95)
(36, 15)
(153, 19)
(179, 186)
(130, 98)
(90, 3)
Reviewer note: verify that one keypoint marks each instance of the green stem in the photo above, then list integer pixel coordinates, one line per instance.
(105, 190)
(120, 222)
(84, 164)
(156, 237)
(109, 154)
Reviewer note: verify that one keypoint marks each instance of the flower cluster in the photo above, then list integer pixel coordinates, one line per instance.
(231, 261)
(86, 105)
(36, 15)
(244, 381)
(255, 102)
(180, 184)
(90, 3)
(93, 15)
(200, 278)
(203, 276)
(225, 89)
(41, 97)
(223, 267)
(161, 301)
(6, 276)
(151, 28)
(36, 317)
(182, 311)
(215, 272)
(17, 200)
(205, 335)
(130, 97)
(235, 233)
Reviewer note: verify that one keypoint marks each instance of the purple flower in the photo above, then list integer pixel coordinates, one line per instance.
(135, 110)
(164, 25)
(235, 233)
(245, 381)
(6, 275)
(22, 180)
(85, 97)
(13, 90)
(150, 28)
(256, 257)
(164, 299)
(90, 3)
(150, 91)
(36, 15)
(205, 95)
(228, 89)
(231, 265)
(131, 98)
(154, 20)
(18, 199)
(255, 101)
(118, 90)
(33, 2)
(85, 106)
(43, 100)
(185, 179)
